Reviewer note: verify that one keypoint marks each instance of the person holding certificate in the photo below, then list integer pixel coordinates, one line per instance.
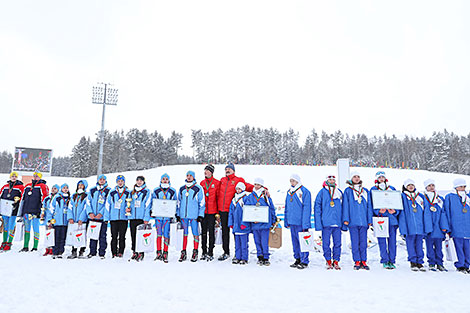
(164, 192)
(95, 209)
(10, 193)
(47, 213)
(118, 200)
(415, 223)
(457, 206)
(440, 224)
(387, 246)
(357, 216)
(77, 213)
(259, 198)
(30, 209)
(139, 212)
(241, 230)
(327, 212)
(190, 212)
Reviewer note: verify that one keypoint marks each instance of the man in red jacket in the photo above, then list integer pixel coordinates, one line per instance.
(224, 198)
(211, 188)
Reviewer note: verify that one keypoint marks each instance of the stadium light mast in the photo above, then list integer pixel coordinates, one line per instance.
(105, 95)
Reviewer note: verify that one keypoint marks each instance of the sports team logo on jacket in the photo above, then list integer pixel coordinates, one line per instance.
(146, 238)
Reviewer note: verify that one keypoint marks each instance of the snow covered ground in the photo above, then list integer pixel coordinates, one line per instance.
(32, 283)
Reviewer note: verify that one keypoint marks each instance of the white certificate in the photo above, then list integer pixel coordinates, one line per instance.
(6, 207)
(253, 213)
(163, 208)
(390, 199)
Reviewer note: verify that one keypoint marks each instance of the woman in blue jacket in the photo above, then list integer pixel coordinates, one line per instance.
(297, 217)
(60, 207)
(241, 230)
(77, 212)
(164, 192)
(415, 223)
(190, 212)
(357, 216)
(47, 213)
(116, 213)
(327, 212)
(138, 213)
(387, 246)
(457, 206)
(261, 230)
(435, 205)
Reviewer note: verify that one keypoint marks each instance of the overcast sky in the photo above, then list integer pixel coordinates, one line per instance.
(395, 67)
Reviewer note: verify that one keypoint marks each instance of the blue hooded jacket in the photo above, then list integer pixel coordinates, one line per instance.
(414, 223)
(298, 212)
(60, 207)
(235, 215)
(438, 218)
(160, 193)
(392, 218)
(325, 215)
(77, 210)
(191, 202)
(252, 200)
(140, 207)
(116, 205)
(357, 214)
(459, 221)
(96, 200)
(46, 204)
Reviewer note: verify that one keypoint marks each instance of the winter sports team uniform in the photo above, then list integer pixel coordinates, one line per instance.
(139, 212)
(162, 224)
(77, 213)
(241, 230)
(47, 213)
(61, 204)
(190, 212)
(11, 191)
(327, 213)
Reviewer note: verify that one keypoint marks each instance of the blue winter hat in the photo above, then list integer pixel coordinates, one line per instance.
(64, 185)
(165, 175)
(191, 173)
(230, 165)
(119, 177)
(84, 182)
(56, 186)
(102, 176)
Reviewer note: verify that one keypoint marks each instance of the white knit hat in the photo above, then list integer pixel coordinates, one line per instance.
(459, 182)
(409, 182)
(428, 182)
(355, 174)
(259, 181)
(295, 177)
(241, 186)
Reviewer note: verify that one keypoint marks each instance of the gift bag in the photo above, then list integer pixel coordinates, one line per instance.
(449, 246)
(79, 237)
(145, 237)
(306, 241)
(275, 238)
(380, 224)
(49, 238)
(71, 228)
(218, 235)
(176, 236)
(93, 231)
(19, 231)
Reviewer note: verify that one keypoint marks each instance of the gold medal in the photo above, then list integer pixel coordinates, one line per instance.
(414, 206)
(257, 204)
(332, 203)
(360, 200)
(433, 209)
(291, 199)
(164, 197)
(53, 221)
(415, 210)
(187, 193)
(464, 210)
(120, 200)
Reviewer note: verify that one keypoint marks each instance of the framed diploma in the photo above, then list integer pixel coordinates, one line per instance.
(253, 213)
(388, 199)
(163, 208)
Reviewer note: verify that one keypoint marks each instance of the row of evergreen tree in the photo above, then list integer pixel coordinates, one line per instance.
(139, 149)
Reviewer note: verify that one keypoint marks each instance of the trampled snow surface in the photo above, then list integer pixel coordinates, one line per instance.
(32, 283)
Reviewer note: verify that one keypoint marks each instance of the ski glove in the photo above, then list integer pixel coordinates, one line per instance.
(199, 219)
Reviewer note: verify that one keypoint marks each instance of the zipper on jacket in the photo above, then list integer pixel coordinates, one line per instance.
(225, 192)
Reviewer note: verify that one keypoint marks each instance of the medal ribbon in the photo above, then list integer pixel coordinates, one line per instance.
(258, 198)
(358, 193)
(293, 193)
(413, 200)
(165, 193)
(208, 186)
(431, 203)
(120, 195)
(331, 193)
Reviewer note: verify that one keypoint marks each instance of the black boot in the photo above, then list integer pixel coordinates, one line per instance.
(140, 257)
(81, 254)
(183, 256)
(73, 255)
(159, 255)
(295, 264)
(260, 260)
(165, 257)
(194, 256)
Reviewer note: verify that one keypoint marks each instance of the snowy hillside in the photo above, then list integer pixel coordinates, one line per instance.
(116, 285)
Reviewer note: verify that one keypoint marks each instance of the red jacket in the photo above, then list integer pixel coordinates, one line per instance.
(227, 191)
(211, 186)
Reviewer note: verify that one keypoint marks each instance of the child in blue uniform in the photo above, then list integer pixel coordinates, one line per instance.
(46, 213)
(60, 207)
(138, 213)
(261, 230)
(435, 205)
(387, 246)
(327, 212)
(357, 216)
(241, 230)
(77, 212)
(457, 206)
(297, 217)
(415, 223)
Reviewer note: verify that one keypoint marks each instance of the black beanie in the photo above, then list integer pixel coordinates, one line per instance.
(141, 178)
(210, 168)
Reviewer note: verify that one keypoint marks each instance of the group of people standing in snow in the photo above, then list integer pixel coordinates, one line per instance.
(425, 216)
